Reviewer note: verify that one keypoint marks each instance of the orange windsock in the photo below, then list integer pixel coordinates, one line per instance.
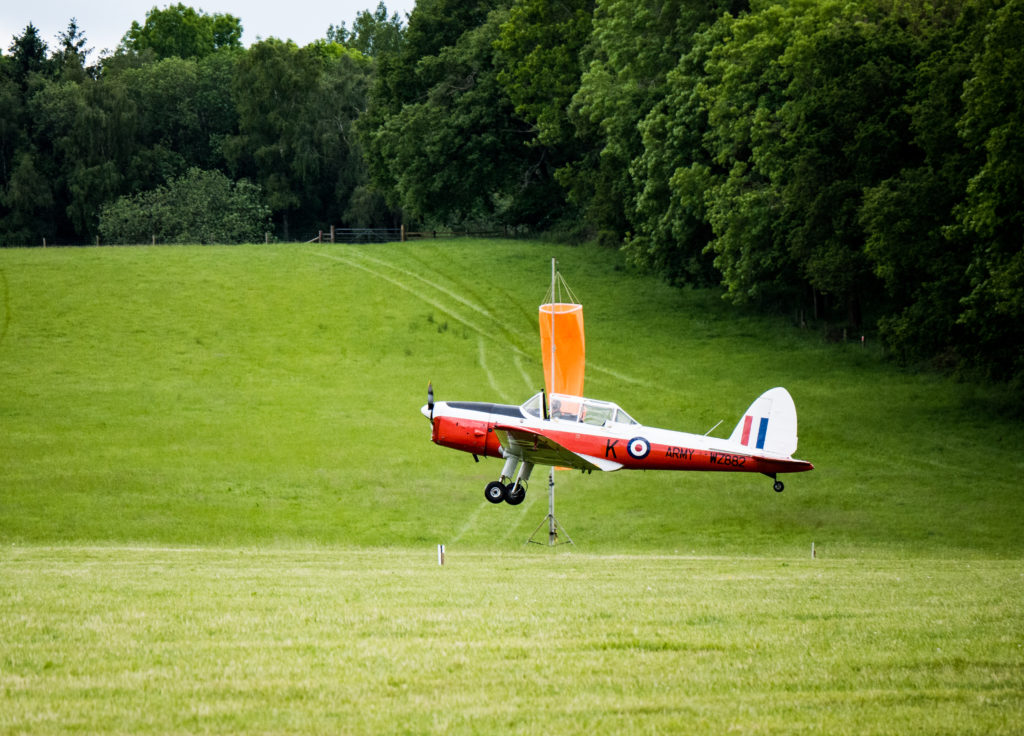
(565, 356)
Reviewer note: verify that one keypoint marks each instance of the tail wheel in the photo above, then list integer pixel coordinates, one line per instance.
(494, 492)
(778, 487)
(516, 497)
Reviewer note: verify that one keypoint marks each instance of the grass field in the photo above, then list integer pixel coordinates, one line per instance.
(219, 508)
(269, 641)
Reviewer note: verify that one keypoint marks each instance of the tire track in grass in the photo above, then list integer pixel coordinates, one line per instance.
(503, 325)
(470, 522)
(515, 337)
(444, 308)
(517, 361)
(520, 517)
(474, 325)
(482, 360)
(484, 311)
(507, 303)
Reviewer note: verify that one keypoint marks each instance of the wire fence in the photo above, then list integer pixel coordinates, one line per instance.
(399, 234)
(344, 235)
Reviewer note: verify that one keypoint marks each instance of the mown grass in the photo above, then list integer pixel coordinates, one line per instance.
(384, 641)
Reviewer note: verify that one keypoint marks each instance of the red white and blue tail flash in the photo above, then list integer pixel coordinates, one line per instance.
(769, 425)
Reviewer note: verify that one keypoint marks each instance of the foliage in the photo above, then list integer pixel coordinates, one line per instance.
(200, 207)
(632, 49)
(373, 34)
(297, 109)
(179, 30)
(454, 151)
(991, 213)
(28, 55)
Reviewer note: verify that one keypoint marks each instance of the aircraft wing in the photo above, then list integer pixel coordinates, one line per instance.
(534, 447)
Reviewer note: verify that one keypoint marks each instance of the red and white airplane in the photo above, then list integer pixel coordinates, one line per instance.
(574, 432)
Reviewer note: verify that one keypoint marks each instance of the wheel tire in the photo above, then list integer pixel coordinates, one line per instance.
(517, 496)
(494, 492)
(778, 487)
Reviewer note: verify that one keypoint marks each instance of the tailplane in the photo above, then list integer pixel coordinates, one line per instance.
(769, 425)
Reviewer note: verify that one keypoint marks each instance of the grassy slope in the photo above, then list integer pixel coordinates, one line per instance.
(260, 407)
(258, 395)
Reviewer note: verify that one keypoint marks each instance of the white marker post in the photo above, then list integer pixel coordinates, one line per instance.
(440, 555)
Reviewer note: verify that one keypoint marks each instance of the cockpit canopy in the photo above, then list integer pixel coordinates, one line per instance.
(577, 409)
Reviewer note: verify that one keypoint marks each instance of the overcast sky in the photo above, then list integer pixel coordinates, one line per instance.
(105, 22)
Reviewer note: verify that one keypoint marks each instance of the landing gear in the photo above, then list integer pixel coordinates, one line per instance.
(505, 489)
(516, 496)
(495, 492)
(778, 487)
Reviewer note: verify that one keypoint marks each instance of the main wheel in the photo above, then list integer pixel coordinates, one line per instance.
(495, 492)
(779, 487)
(516, 497)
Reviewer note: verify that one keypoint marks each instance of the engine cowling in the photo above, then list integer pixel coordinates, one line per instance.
(469, 435)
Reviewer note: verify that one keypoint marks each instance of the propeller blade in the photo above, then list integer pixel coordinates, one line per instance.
(430, 399)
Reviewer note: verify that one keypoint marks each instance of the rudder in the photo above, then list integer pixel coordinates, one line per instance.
(769, 425)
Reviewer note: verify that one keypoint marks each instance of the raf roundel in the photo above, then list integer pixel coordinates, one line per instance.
(638, 448)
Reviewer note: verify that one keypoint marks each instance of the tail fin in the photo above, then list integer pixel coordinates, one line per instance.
(769, 425)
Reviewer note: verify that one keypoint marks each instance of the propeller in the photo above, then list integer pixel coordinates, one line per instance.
(430, 399)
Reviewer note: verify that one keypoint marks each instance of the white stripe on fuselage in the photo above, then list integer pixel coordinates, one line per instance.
(654, 435)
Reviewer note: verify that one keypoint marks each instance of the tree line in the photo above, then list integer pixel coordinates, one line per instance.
(855, 161)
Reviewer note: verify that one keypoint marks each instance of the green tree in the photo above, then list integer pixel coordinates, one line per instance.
(807, 109)
(27, 199)
(12, 125)
(28, 56)
(201, 207)
(447, 156)
(179, 30)
(373, 34)
(991, 216)
(920, 258)
(456, 152)
(69, 57)
(538, 57)
(670, 225)
(296, 127)
(86, 133)
(633, 47)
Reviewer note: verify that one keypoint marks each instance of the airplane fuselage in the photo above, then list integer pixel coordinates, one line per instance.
(483, 429)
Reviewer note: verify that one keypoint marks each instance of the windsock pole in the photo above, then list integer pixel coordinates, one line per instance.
(552, 524)
(554, 277)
